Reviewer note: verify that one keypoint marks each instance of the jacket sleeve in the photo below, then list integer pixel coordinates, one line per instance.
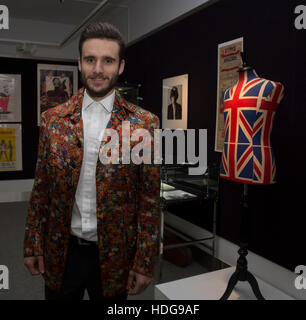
(39, 200)
(148, 213)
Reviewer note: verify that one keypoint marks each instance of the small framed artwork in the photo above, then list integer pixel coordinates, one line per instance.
(10, 147)
(10, 98)
(55, 85)
(175, 102)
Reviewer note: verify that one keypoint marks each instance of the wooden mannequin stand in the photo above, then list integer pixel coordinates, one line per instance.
(242, 273)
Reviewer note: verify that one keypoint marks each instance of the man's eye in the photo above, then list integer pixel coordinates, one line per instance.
(109, 61)
(90, 60)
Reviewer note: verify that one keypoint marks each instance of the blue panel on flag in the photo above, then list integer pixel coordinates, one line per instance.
(251, 75)
(247, 172)
(227, 129)
(258, 154)
(257, 138)
(222, 171)
(241, 149)
(255, 178)
(225, 149)
(250, 116)
(226, 95)
(268, 89)
(242, 138)
(253, 91)
(226, 134)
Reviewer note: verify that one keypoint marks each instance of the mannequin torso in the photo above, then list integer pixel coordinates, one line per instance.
(249, 109)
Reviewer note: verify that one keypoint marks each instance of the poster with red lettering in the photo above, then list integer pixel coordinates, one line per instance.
(229, 61)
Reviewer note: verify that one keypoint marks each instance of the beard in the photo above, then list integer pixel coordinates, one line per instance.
(99, 92)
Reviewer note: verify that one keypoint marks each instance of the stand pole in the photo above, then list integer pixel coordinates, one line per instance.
(242, 273)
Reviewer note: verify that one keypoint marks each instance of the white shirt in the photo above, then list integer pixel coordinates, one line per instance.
(96, 116)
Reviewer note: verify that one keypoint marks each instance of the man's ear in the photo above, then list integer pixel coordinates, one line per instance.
(122, 65)
(79, 63)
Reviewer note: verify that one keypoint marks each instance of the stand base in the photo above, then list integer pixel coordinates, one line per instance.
(242, 276)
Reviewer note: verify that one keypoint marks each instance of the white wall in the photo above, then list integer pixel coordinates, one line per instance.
(15, 190)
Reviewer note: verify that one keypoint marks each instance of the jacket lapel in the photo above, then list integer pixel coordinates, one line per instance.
(73, 111)
(118, 115)
(120, 112)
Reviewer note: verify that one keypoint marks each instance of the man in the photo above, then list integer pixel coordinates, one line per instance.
(90, 225)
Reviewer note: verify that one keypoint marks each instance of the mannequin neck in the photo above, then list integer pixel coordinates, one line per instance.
(249, 74)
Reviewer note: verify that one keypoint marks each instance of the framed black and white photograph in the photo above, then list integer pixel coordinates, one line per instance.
(175, 102)
(55, 85)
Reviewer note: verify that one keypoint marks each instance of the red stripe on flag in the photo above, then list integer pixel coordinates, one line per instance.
(259, 124)
(257, 171)
(242, 160)
(253, 82)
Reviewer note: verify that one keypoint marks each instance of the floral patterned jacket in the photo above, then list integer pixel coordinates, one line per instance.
(128, 212)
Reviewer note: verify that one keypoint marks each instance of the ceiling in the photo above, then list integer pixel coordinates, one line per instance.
(38, 24)
(70, 12)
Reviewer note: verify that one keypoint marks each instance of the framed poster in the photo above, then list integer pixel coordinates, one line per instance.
(229, 61)
(10, 147)
(175, 102)
(55, 85)
(10, 98)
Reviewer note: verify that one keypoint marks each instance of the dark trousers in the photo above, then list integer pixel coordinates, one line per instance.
(82, 273)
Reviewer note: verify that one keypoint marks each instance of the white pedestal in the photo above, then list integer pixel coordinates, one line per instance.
(212, 285)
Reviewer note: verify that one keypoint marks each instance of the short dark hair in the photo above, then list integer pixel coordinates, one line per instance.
(56, 79)
(174, 93)
(102, 30)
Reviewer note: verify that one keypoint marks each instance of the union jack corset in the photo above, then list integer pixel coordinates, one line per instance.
(249, 110)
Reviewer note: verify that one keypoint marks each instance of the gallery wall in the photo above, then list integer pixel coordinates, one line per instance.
(277, 51)
(27, 68)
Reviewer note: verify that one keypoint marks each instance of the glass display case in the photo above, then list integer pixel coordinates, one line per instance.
(192, 199)
(130, 92)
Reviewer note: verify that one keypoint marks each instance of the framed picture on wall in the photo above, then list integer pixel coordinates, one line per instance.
(175, 102)
(10, 147)
(10, 98)
(229, 61)
(55, 85)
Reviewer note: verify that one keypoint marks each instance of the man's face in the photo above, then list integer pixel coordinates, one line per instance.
(56, 82)
(100, 67)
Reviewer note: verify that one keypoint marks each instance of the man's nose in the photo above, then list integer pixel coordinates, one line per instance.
(98, 67)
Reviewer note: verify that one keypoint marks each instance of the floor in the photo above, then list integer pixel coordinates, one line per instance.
(23, 286)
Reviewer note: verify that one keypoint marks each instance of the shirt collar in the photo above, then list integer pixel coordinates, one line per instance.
(107, 102)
